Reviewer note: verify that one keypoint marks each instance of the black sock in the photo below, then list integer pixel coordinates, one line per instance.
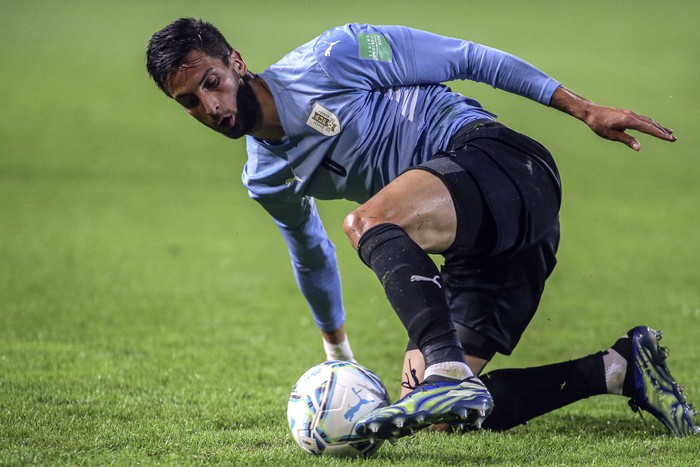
(412, 284)
(520, 395)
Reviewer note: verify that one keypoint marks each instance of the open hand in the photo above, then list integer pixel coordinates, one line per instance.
(608, 122)
(611, 123)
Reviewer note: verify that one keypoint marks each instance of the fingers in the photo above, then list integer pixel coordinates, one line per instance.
(623, 138)
(612, 123)
(634, 144)
(650, 127)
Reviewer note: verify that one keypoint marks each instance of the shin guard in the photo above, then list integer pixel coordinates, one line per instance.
(412, 284)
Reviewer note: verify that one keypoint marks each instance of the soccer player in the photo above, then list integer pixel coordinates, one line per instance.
(359, 113)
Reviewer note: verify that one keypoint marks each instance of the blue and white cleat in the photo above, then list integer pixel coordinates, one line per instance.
(655, 390)
(465, 403)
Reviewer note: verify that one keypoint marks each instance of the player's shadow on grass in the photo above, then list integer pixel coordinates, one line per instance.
(622, 426)
(542, 435)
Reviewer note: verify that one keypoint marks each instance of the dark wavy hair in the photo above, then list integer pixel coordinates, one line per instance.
(168, 48)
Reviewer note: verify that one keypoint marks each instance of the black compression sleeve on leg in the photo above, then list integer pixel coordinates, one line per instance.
(412, 284)
(520, 395)
(474, 343)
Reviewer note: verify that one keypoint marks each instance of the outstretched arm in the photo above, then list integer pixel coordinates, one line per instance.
(608, 122)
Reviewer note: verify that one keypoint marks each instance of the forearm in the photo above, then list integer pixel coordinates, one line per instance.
(570, 103)
(320, 285)
(312, 256)
(318, 278)
(321, 288)
(315, 267)
(509, 73)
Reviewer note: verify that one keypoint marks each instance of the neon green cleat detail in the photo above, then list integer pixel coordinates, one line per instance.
(655, 389)
(467, 402)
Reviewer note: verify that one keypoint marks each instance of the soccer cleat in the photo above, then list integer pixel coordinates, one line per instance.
(655, 390)
(467, 402)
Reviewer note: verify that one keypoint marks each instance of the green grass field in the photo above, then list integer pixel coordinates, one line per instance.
(148, 313)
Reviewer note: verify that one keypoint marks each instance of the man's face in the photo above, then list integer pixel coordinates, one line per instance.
(211, 92)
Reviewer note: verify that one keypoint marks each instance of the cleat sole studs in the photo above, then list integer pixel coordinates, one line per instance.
(462, 413)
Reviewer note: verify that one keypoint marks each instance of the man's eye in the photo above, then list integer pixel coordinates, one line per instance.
(189, 103)
(212, 82)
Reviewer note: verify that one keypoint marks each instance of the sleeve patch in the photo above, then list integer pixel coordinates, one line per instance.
(374, 47)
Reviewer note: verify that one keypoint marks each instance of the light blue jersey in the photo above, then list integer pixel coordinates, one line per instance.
(359, 105)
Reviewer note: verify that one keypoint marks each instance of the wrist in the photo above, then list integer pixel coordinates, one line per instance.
(571, 103)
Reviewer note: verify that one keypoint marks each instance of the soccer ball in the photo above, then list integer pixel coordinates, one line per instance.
(327, 402)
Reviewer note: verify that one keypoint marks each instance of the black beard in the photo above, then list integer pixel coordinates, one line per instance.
(248, 112)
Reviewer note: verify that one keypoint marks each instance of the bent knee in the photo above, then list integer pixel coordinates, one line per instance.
(364, 218)
(355, 225)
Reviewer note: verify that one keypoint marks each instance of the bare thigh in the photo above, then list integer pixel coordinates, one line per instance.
(418, 202)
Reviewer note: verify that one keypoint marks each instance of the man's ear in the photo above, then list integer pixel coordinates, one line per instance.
(237, 64)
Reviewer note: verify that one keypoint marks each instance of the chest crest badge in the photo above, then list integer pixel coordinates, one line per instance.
(323, 120)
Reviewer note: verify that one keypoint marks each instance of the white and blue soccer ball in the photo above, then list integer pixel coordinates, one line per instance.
(327, 402)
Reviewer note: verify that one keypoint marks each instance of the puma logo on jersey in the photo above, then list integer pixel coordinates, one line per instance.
(327, 53)
(434, 280)
(293, 179)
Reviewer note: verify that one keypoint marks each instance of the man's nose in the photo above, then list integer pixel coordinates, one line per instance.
(211, 105)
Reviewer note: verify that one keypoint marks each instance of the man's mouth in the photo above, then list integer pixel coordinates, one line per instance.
(227, 126)
(226, 123)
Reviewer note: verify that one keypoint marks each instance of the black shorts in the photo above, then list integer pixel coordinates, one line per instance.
(507, 193)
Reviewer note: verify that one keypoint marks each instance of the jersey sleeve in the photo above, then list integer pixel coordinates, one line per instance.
(313, 257)
(368, 57)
